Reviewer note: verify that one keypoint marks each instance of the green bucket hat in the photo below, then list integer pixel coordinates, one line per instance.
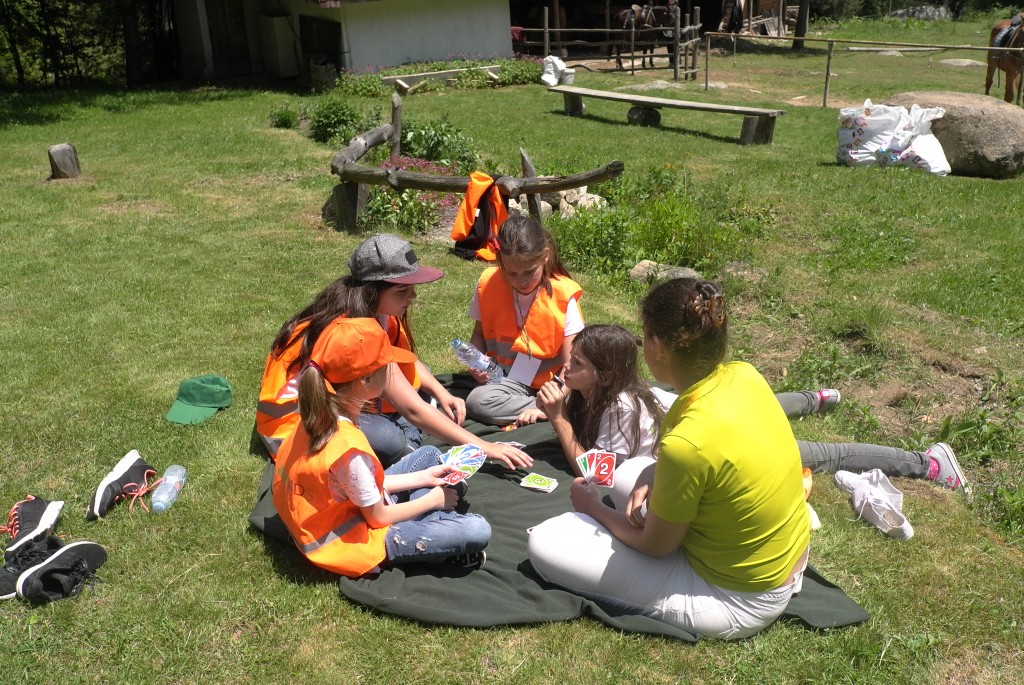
(199, 398)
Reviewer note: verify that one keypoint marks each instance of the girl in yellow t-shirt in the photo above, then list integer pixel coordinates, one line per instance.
(725, 536)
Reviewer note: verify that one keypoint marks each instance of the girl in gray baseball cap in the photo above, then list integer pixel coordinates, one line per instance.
(382, 285)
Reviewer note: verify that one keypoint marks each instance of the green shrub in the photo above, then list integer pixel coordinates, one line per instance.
(361, 85)
(519, 72)
(331, 118)
(415, 211)
(283, 116)
(656, 216)
(440, 141)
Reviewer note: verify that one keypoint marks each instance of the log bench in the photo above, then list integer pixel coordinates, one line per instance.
(758, 124)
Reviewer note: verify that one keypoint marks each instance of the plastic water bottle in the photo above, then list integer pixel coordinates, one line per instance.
(477, 360)
(167, 491)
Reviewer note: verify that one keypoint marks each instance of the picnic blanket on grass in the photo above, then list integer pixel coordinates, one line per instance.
(507, 591)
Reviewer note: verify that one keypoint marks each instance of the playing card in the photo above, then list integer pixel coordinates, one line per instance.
(465, 459)
(597, 467)
(454, 477)
(536, 481)
(604, 469)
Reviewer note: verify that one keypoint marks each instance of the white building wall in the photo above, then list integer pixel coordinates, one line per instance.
(393, 32)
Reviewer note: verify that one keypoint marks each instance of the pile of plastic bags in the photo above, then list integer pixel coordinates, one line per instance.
(884, 135)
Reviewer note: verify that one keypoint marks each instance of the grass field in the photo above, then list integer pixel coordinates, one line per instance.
(195, 231)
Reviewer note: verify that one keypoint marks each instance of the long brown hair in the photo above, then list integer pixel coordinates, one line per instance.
(346, 295)
(688, 316)
(522, 237)
(320, 410)
(612, 350)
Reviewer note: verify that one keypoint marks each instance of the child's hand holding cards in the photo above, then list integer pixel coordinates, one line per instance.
(597, 467)
(465, 460)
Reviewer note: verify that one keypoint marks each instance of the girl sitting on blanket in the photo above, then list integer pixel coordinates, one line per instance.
(382, 284)
(723, 539)
(527, 312)
(605, 404)
(345, 512)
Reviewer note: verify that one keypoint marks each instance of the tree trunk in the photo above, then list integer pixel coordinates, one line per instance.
(134, 61)
(802, 18)
(7, 23)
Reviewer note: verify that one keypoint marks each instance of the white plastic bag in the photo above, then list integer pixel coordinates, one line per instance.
(552, 70)
(890, 136)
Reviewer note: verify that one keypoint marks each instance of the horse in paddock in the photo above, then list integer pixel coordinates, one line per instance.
(1008, 33)
(652, 24)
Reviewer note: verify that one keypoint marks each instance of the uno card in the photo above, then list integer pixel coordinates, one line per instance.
(597, 467)
(535, 481)
(604, 469)
(466, 460)
(454, 477)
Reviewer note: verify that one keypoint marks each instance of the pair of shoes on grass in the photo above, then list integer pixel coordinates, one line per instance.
(877, 501)
(38, 567)
(130, 479)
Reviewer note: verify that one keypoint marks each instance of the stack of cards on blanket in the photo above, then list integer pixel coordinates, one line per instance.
(535, 481)
(466, 460)
(598, 467)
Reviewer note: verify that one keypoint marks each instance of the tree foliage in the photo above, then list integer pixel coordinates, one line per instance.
(77, 42)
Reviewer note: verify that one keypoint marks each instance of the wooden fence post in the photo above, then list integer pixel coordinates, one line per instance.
(696, 39)
(532, 199)
(828, 73)
(675, 46)
(349, 200)
(396, 125)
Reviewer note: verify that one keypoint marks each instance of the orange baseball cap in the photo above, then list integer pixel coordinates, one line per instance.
(354, 348)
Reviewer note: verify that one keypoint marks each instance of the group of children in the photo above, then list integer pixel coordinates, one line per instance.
(344, 402)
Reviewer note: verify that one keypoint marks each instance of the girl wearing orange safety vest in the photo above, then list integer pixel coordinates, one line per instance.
(345, 512)
(527, 313)
(384, 273)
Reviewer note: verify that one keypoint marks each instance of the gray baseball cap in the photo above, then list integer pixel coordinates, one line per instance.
(386, 257)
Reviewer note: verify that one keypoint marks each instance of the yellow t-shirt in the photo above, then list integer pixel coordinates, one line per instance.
(729, 466)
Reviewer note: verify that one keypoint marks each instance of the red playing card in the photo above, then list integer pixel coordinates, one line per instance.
(604, 469)
(454, 477)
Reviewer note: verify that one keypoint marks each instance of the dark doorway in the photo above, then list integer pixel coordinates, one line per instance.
(228, 38)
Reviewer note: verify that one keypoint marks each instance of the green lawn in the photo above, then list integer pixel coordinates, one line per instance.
(195, 231)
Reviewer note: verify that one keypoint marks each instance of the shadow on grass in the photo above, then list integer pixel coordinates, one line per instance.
(48, 107)
(670, 129)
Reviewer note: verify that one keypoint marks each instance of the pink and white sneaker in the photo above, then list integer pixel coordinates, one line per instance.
(828, 398)
(950, 474)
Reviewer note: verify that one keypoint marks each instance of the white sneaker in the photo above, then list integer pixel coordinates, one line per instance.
(872, 506)
(848, 481)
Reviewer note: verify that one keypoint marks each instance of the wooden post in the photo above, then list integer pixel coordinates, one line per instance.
(396, 125)
(757, 130)
(696, 36)
(63, 162)
(707, 60)
(558, 26)
(532, 199)
(675, 46)
(632, 45)
(828, 72)
(547, 36)
(782, 18)
(349, 200)
(573, 104)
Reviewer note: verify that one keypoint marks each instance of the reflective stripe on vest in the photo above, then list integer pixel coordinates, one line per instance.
(330, 536)
(277, 411)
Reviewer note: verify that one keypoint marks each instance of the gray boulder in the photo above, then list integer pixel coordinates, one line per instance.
(981, 136)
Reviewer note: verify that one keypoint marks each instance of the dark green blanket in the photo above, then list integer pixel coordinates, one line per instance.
(506, 590)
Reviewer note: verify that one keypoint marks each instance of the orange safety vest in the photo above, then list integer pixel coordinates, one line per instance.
(333, 535)
(397, 336)
(484, 244)
(277, 411)
(542, 335)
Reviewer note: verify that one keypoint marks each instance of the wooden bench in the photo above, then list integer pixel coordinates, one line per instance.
(758, 124)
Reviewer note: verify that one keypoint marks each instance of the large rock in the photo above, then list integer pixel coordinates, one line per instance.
(981, 136)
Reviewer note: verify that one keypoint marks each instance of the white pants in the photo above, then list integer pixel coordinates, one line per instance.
(575, 551)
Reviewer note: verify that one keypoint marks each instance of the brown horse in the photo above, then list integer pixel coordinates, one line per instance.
(1010, 34)
(653, 25)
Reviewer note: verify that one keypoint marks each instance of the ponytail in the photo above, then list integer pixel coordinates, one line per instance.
(320, 410)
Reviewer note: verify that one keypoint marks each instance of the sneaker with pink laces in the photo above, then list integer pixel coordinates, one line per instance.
(950, 474)
(30, 519)
(828, 398)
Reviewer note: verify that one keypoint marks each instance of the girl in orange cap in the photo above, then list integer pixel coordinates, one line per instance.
(346, 512)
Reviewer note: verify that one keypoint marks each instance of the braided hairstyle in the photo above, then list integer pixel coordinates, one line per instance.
(688, 316)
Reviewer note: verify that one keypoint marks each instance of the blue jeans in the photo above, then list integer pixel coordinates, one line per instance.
(390, 435)
(436, 535)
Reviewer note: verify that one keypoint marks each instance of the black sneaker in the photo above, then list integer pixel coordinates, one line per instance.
(130, 478)
(28, 555)
(62, 574)
(30, 519)
(471, 560)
